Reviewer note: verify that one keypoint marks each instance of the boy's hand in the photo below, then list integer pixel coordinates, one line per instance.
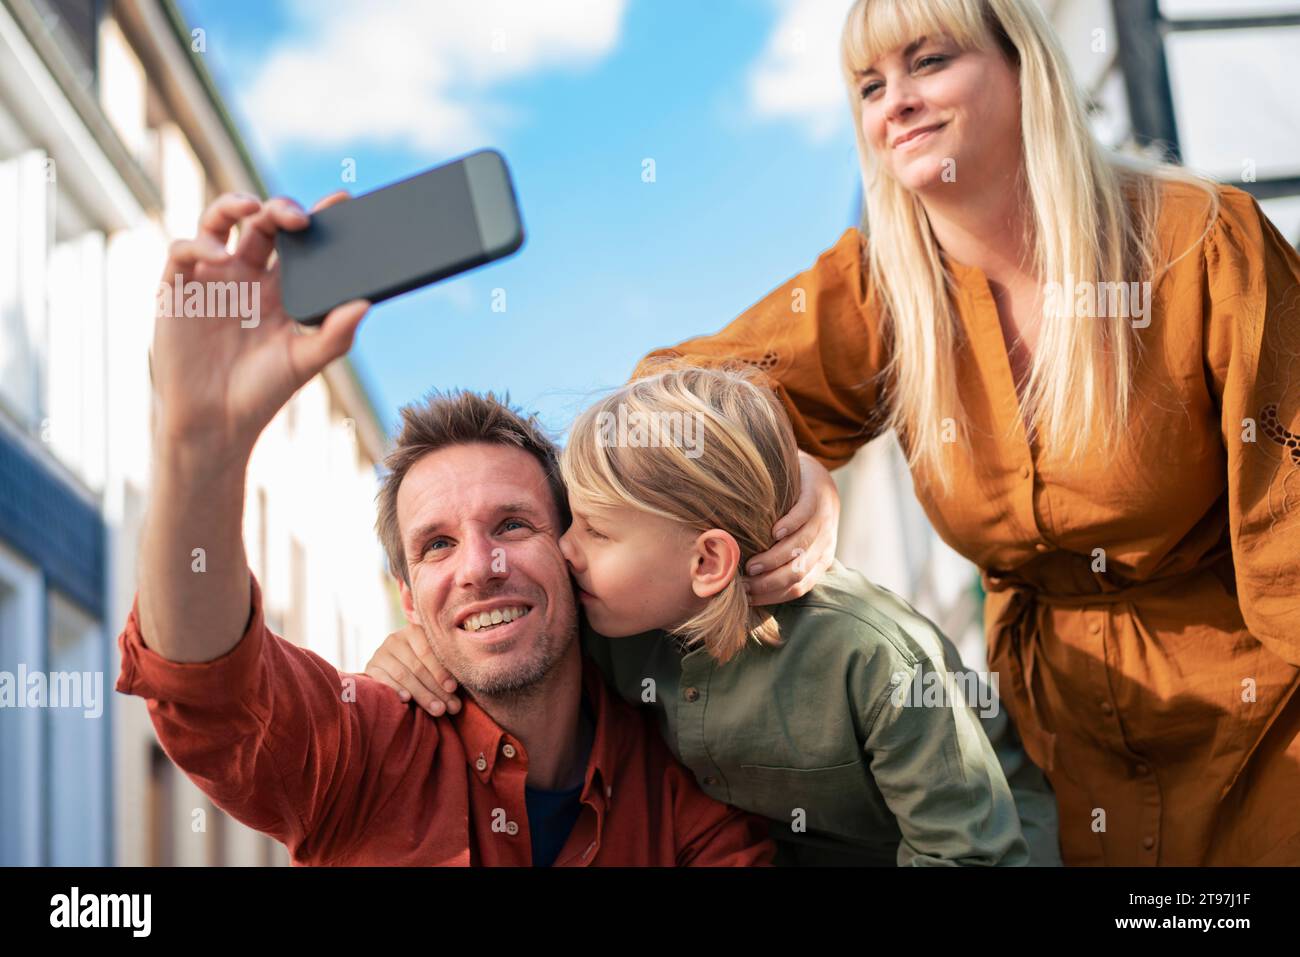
(406, 663)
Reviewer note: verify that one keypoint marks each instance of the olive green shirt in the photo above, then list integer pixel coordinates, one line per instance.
(862, 738)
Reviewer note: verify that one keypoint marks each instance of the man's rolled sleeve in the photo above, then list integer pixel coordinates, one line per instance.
(208, 683)
(275, 735)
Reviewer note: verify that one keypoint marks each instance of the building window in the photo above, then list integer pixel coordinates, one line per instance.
(160, 808)
(21, 650)
(26, 192)
(297, 626)
(74, 24)
(77, 742)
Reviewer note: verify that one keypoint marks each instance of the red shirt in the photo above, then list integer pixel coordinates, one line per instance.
(340, 771)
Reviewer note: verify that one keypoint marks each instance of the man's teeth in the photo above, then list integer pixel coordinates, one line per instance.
(496, 616)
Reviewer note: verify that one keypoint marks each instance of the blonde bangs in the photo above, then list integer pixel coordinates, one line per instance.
(874, 27)
(1084, 225)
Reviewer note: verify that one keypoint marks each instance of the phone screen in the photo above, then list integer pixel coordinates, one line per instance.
(398, 238)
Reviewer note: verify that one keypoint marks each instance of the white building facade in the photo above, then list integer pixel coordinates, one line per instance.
(112, 141)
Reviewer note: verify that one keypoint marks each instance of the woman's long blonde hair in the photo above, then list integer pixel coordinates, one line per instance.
(1094, 216)
(731, 463)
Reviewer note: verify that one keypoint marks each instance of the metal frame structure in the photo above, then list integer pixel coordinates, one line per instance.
(1142, 30)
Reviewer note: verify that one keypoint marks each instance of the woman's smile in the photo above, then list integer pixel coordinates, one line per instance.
(912, 139)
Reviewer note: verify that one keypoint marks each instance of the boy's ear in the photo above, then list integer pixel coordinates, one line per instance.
(715, 561)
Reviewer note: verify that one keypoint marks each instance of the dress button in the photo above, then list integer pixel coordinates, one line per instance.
(1095, 628)
(508, 750)
(1024, 471)
(1040, 547)
(481, 763)
(692, 694)
(1142, 769)
(1107, 708)
(1148, 842)
(710, 780)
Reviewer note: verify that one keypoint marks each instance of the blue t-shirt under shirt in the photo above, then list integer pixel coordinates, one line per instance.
(552, 814)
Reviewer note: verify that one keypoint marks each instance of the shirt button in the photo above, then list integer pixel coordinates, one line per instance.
(512, 828)
(508, 750)
(1142, 769)
(710, 780)
(1095, 628)
(481, 763)
(1107, 708)
(692, 694)
(1040, 547)
(1148, 842)
(1024, 471)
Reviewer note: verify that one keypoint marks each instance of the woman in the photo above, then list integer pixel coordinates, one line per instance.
(1121, 462)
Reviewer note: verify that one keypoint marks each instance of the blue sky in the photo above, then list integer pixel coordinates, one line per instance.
(736, 101)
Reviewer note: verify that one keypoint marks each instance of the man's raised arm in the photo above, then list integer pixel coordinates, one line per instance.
(218, 382)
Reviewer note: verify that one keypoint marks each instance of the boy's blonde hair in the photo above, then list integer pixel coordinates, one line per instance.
(740, 474)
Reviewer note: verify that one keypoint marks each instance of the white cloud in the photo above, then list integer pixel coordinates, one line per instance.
(415, 73)
(797, 76)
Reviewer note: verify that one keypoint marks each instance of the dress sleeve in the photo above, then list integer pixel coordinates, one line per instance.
(1252, 357)
(815, 340)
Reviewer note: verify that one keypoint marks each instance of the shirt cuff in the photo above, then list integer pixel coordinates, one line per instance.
(149, 675)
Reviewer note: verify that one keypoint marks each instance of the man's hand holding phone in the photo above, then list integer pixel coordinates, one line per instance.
(218, 378)
(218, 381)
(220, 374)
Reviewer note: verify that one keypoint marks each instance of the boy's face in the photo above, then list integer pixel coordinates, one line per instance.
(479, 530)
(633, 570)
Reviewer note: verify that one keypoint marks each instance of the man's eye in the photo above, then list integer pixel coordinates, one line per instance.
(430, 545)
(513, 521)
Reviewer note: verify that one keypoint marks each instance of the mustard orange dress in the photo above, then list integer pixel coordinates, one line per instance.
(1156, 686)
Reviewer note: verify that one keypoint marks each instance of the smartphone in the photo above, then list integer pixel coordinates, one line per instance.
(400, 237)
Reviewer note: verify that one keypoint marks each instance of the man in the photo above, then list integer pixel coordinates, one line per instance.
(541, 766)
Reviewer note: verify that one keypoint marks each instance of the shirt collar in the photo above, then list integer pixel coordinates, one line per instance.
(485, 740)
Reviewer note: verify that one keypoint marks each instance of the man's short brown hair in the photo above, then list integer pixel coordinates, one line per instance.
(458, 418)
